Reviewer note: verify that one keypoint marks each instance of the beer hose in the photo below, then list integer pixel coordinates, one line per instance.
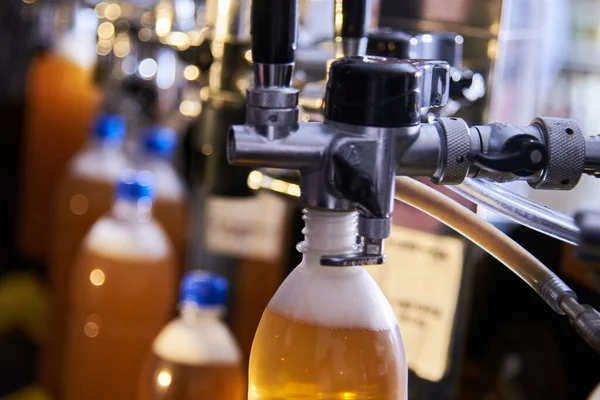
(562, 299)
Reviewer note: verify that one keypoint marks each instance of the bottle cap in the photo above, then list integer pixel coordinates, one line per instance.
(135, 185)
(159, 141)
(110, 128)
(205, 289)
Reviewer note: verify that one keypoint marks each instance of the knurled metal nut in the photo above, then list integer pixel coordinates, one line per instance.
(374, 228)
(272, 97)
(456, 141)
(566, 150)
(272, 117)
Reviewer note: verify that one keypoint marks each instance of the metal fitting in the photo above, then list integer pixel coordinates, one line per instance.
(566, 148)
(592, 156)
(350, 47)
(272, 97)
(276, 75)
(456, 147)
(273, 112)
(374, 228)
(374, 231)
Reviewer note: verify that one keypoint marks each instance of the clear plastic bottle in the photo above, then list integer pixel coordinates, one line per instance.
(329, 332)
(122, 294)
(195, 356)
(171, 205)
(84, 194)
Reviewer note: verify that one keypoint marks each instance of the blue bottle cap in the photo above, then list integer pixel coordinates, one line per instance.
(135, 185)
(159, 141)
(204, 289)
(110, 128)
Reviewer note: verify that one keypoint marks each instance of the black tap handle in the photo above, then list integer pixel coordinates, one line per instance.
(523, 155)
(351, 18)
(274, 31)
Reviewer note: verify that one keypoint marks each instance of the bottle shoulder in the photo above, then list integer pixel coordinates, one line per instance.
(128, 239)
(338, 297)
(98, 164)
(205, 342)
(169, 184)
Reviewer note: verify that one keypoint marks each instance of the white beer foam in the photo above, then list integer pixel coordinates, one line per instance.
(207, 342)
(122, 239)
(334, 297)
(99, 165)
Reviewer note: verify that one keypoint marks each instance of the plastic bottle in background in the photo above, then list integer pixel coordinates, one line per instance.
(195, 356)
(328, 332)
(170, 208)
(84, 194)
(122, 294)
(61, 101)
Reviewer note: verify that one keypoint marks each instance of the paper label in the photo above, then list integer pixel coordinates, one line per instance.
(252, 227)
(421, 280)
(576, 269)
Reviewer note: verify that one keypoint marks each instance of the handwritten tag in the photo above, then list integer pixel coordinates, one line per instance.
(250, 227)
(421, 280)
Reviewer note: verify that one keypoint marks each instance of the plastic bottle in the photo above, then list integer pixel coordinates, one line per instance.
(122, 294)
(61, 101)
(195, 356)
(84, 194)
(329, 332)
(171, 205)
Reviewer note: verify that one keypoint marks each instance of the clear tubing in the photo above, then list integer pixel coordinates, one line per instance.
(549, 286)
(520, 209)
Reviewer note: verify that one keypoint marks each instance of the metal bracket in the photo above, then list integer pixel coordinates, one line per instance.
(352, 260)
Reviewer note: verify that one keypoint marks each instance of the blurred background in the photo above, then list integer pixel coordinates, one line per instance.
(89, 88)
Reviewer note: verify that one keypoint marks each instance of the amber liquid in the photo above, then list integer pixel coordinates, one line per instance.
(117, 306)
(165, 380)
(294, 360)
(80, 202)
(172, 214)
(61, 102)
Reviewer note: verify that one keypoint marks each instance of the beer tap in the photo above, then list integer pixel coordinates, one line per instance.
(351, 21)
(372, 132)
(372, 105)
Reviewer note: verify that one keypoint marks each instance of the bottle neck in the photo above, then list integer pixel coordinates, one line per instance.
(132, 211)
(194, 314)
(328, 233)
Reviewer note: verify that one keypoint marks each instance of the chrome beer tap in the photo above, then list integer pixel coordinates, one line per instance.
(372, 132)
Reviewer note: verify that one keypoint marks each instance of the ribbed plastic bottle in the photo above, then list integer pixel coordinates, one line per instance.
(195, 356)
(329, 332)
(171, 205)
(122, 294)
(84, 194)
